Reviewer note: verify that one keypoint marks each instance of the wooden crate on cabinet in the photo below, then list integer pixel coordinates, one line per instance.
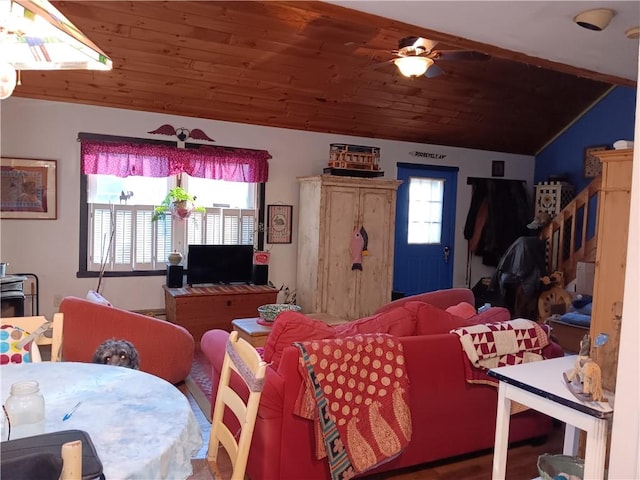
(331, 209)
(611, 253)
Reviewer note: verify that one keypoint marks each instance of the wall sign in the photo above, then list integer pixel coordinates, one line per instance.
(436, 156)
(261, 258)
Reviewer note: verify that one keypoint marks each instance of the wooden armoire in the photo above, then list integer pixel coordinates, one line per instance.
(331, 209)
(611, 255)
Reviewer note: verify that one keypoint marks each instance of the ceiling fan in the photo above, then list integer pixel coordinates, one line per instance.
(416, 56)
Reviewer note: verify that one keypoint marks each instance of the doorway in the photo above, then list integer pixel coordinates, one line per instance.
(425, 228)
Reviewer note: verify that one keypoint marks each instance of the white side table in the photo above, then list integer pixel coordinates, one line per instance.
(540, 385)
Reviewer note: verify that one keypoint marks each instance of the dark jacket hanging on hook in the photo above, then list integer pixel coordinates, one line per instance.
(497, 216)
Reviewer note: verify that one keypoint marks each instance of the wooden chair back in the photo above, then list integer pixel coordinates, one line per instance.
(31, 324)
(71, 461)
(243, 359)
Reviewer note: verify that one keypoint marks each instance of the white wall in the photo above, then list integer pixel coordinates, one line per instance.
(48, 130)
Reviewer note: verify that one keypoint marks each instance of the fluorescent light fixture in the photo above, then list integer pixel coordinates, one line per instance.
(8, 80)
(633, 33)
(413, 66)
(597, 19)
(34, 35)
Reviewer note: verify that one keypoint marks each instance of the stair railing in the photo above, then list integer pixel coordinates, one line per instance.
(571, 235)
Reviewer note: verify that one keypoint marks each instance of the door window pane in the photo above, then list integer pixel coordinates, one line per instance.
(425, 210)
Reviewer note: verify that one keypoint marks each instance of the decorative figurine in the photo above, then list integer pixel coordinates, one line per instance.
(585, 379)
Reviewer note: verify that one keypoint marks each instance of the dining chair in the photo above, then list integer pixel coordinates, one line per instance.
(39, 460)
(38, 326)
(243, 359)
(71, 461)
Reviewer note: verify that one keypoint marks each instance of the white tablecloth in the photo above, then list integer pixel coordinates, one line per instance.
(142, 426)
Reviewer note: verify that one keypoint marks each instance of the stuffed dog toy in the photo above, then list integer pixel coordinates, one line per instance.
(117, 352)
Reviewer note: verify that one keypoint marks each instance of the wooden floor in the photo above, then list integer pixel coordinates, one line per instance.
(521, 461)
(199, 460)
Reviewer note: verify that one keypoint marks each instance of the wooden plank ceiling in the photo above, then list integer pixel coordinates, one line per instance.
(317, 67)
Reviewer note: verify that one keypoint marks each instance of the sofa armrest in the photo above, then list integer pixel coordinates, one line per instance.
(165, 349)
(213, 344)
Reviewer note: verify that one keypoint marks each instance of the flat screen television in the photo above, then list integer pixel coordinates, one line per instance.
(219, 264)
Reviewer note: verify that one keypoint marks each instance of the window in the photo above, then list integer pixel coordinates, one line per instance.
(117, 208)
(231, 212)
(122, 236)
(426, 197)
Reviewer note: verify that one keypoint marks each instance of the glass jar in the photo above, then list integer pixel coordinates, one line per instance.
(25, 409)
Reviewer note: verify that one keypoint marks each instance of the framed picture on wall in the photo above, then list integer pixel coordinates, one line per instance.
(592, 166)
(497, 168)
(28, 189)
(279, 223)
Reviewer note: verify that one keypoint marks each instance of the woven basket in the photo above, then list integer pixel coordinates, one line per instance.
(270, 311)
(550, 466)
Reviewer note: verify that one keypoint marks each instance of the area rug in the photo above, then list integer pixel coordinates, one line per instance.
(199, 382)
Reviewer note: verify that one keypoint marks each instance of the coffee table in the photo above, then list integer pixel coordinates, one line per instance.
(250, 330)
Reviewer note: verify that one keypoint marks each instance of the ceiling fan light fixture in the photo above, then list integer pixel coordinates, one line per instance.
(596, 19)
(413, 66)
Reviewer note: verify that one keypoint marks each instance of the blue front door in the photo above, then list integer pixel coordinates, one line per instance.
(425, 228)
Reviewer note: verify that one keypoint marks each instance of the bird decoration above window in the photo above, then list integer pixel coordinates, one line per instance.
(182, 133)
(125, 196)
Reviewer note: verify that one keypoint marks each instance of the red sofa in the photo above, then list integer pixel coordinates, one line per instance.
(449, 416)
(165, 349)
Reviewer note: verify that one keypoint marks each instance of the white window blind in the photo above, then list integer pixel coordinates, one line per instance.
(122, 242)
(221, 225)
(122, 236)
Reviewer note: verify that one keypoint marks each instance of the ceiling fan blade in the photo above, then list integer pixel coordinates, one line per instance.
(459, 55)
(408, 42)
(433, 71)
(378, 65)
(417, 43)
(425, 44)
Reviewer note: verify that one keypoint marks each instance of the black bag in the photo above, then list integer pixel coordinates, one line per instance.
(40, 456)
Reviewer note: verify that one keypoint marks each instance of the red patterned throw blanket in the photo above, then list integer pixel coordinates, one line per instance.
(499, 344)
(357, 392)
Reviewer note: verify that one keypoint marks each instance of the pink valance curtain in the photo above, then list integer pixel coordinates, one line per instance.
(145, 160)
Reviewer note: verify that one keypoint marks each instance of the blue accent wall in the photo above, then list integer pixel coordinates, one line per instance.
(611, 119)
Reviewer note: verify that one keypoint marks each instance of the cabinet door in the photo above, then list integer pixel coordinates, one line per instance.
(338, 283)
(377, 215)
(611, 255)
